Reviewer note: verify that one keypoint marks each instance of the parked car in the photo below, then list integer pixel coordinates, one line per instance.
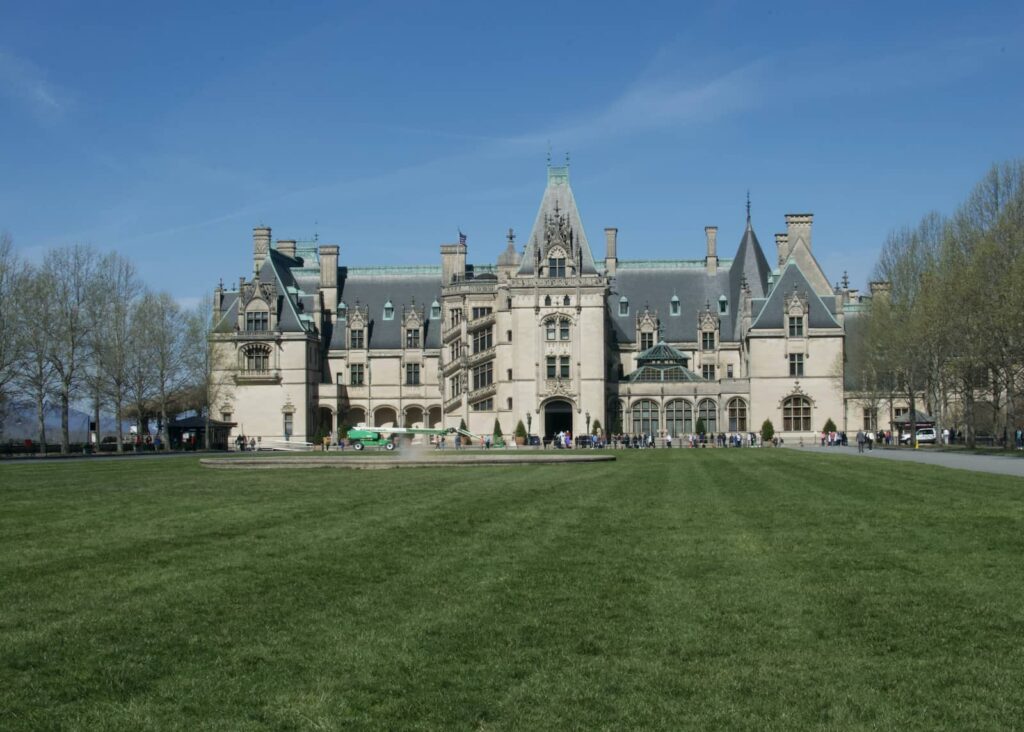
(925, 435)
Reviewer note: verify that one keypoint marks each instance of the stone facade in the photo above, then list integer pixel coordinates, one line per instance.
(547, 335)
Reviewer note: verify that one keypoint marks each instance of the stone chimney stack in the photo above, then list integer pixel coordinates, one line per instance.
(782, 245)
(286, 247)
(260, 247)
(218, 301)
(329, 276)
(611, 256)
(798, 226)
(711, 261)
(880, 289)
(453, 262)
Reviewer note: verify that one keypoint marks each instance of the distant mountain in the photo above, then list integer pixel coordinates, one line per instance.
(20, 423)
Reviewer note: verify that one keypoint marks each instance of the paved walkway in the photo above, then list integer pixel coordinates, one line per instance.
(963, 461)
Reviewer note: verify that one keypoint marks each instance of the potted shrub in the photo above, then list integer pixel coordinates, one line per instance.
(520, 434)
(767, 432)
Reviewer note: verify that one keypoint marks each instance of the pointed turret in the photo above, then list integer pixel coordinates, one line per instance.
(558, 232)
(750, 265)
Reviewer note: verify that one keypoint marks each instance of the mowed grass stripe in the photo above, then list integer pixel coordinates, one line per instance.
(698, 588)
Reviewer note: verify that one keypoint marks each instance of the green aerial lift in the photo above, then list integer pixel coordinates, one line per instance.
(362, 436)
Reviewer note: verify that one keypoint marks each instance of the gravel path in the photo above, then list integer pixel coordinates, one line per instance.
(980, 463)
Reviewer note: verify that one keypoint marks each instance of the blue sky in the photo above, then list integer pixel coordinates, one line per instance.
(167, 131)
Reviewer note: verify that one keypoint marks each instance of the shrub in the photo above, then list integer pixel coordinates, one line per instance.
(767, 431)
(497, 429)
(595, 428)
(521, 430)
(700, 426)
(462, 425)
(830, 426)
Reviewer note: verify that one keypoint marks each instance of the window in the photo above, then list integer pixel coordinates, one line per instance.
(257, 321)
(552, 366)
(288, 425)
(556, 267)
(645, 418)
(454, 349)
(454, 386)
(708, 371)
(435, 310)
(646, 341)
(563, 367)
(456, 316)
(508, 402)
(870, 418)
(563, 330)
(737, 415)
(565, 301)
(257, 358)
(550, 330)
(342, 311)
(412, 374)
(708, 411)
(355, 338)
(482, 312)
(707, 341)
(508, 336)
(796, 364)
(728, 371)
(674, 307)
(623, 306)
(678, 418)
(723, 305)
(547, 301)
(485, 405)
(389, 311)
(483, 376)
(796, 414)
(482, 340)
(412, 338)
(509, 372)
(796, 326)
(356, 374)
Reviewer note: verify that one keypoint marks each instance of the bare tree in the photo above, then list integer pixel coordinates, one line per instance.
(209, 366)
(35, 378)
(169, 343)
(11, 342)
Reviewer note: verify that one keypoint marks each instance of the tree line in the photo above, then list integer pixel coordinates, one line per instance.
(81, 327)
(946, 325)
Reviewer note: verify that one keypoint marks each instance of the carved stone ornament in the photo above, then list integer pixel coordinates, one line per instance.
(412, 317)
(796, 304)
(265, 291)
(707, 321)
(558, 232)
(797, 390)
(558, 387)
(647, 320)
(358, 317)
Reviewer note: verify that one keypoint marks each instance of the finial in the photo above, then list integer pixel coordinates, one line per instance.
(567, 160)
(748, 205)
(549, 153)
(846, 280)
(462, 237)
(511, 236)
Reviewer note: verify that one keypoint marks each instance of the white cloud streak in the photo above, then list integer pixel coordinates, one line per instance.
(25, 83)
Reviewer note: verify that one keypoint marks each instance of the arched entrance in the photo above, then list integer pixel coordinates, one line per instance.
(414, 417)
(557, 417)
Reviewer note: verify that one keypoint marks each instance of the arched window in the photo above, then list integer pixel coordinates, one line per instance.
(796, 414)
(565, 301)
(257, 358)
(645, 417)
(737, 415)
(678, 418)
(708, 411)
(547, 301)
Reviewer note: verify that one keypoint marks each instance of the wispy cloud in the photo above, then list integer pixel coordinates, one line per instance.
(26, 84)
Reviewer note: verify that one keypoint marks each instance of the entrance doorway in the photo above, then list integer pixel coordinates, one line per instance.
(557, 417)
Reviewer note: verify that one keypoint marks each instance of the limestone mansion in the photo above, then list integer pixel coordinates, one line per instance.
(547, 335)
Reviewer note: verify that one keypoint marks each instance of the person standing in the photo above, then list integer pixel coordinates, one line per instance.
(860, 441)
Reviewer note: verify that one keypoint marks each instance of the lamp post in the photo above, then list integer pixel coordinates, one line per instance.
(588, 421)
(529, 423)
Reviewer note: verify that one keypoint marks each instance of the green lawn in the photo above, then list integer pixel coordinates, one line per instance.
(731, 589)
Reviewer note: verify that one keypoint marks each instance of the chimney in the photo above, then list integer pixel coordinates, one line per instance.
(798, 226)
(286, 247)
(453, 261)
(329, 276)
(782, 245)
(611, 257)
(260, 247)
(880, 288)
(218, 301)
(711, 261)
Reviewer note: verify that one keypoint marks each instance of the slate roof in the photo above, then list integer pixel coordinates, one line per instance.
(557, 194)
(374, 286)
(662, 362)
(770, 312)
(751, 264)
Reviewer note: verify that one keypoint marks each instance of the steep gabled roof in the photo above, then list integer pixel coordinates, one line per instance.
(751, 265)
(558, 199)
(771, 315)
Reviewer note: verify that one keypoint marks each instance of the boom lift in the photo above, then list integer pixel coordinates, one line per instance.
(362, 436)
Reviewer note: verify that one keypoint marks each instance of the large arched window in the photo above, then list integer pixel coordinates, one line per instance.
(796, 414)
(737, 415)
(678, 418)
(708, 411)
(645, 418)
(256, 358)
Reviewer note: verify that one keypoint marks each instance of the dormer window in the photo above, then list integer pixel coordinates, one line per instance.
(646, 340)
(356, 338)
(556, 267)
(342, 311)
(707, 341)
(435, 310)
(796, 326)
(623, 306)
(674, 307)
(412, 338)
(723, 305)
(389, 311)
(258, 320)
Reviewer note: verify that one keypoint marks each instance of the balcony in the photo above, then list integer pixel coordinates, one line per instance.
(258, 376)
(452, 367)
(257, 335)
(474, 359)
(452, 333)
(479, 323)
(483, 392)
(453, 403)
